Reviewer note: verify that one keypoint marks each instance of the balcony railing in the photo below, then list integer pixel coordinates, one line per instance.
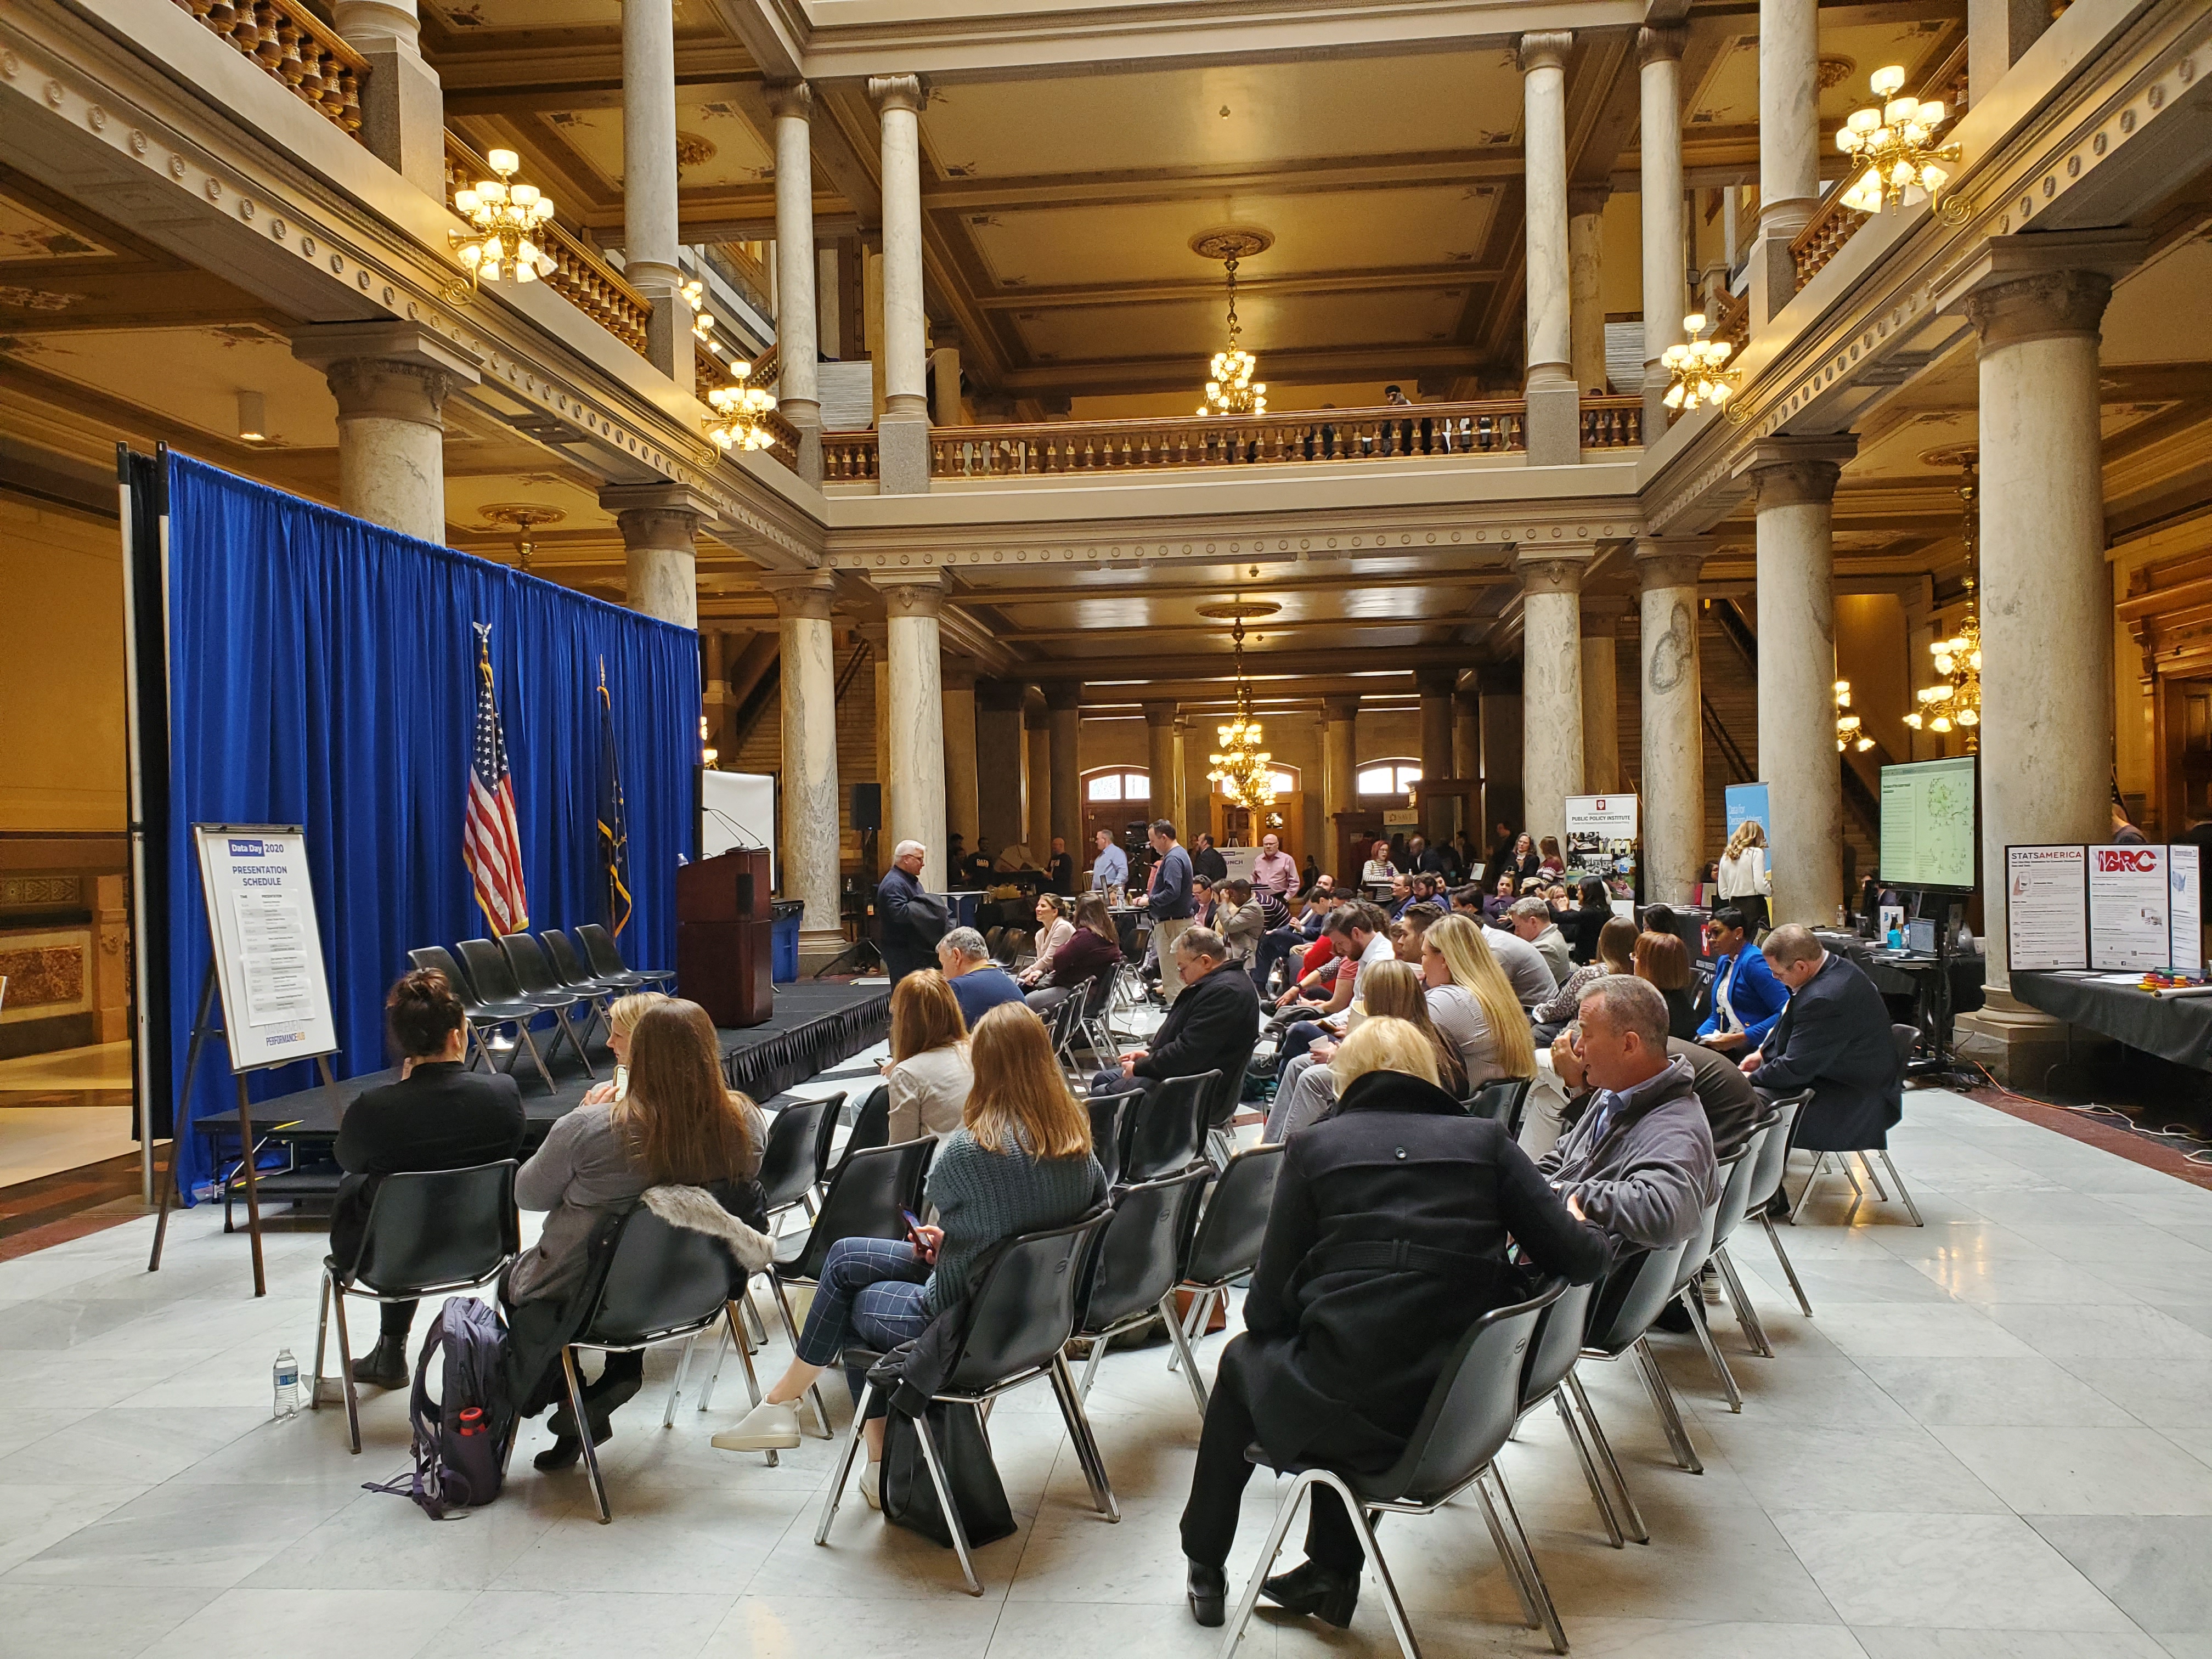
(579, 275)
(1613, 423)
(846, 456)
(1820, 240)
(1732, 320)
(296, 47)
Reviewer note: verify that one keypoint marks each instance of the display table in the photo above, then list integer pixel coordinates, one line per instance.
(2179, 1029)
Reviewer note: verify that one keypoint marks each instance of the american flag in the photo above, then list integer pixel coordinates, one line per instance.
(491, 844)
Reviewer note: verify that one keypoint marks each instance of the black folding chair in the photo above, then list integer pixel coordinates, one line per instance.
(1766, 1183)
(1469, 1416)
(1744, 1174)
(606, 960)
(1168, 1127)
(665, 1283)
(429, 1232)
(1018, 1319)
(789, 1167)
(1552, 1357)
(871, 1128)
(1904, 1038)
(1693, 1264)
(1138, 1260)
(1504, 1102)
(1630, 1296)
(488, 969)
(482, 1014)
(1224, 1246)
(1223, 1100)
(1110, 1124)
(533, 973)
(561, 951)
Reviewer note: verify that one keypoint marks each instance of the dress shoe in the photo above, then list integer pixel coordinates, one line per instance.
(567, 1446)
(1208, 1589)
(385, 1365)
(1309, 1588)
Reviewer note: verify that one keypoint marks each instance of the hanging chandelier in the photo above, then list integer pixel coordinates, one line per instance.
(504, 220)
(1897, 144)
(1696, 365)
(1241, 770)
(1955, 700)
(741, 412)
(1230, 387)
(1848, 732)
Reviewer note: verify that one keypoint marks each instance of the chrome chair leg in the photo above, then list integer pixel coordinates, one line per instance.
(1182, 1351)
(1508, 1558)
(1881, 1192)
(1902, 1191)
(1662, 1397)
(791, 1331)
(322, 1334)
(1535, 1574)
(845, 1464)
(1713, 1355)
(1286, 1512)
(1811, 1181)
(676, 1387)
(584, 1427)
(1629, 1514)
(1196, 1320)
(1085, 1442)
(1783, 1256)
(1746, 1315)
(1391, 1603)
(1590, 1469)
(946, 1506)
(345, 1371)
(1090, 1365)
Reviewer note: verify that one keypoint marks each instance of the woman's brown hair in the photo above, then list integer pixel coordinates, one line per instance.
(682, 1124)
(1394, 990)
(422, 1013)
(1090, 912)
(1021, 1101)
(1616, 943)
(1663, 959)
(925, 1015)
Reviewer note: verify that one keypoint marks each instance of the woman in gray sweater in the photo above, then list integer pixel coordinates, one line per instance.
(1020, 1163)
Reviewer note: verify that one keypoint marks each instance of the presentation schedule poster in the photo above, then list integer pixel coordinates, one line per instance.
(2046, 914)
(2130, 911)
(268, 950)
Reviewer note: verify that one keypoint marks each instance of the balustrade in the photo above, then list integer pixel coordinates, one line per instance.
(297, 48)
(1820, 241)
(1613, 423)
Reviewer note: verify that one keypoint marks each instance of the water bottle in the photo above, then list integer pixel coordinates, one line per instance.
(285, 1374)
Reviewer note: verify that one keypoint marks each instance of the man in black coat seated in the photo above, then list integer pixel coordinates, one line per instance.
(1833, 1038)
(1213, 1026)
(909, 946)
(437, 1116)
(1344, 1340)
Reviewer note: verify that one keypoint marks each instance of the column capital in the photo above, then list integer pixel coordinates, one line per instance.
(1159, 713)
(656, 515)
(1601, 616)
(791, 98)
(371, 365)
(1545, 49)
(1670, 560)
(1553, 569)
(890, 92)
(2076, 258)
(1796, 472)
(909, 593)
(805, 595)
(1061, 696)
(957, 673)
(1585, 199)
(1660, 44)
(1435, 682)
(2050, 305)
(1334, 709)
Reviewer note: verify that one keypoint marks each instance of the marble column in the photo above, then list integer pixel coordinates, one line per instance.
(1160, 760)
(1674, 761)
(1001, 762)
(660, 530)
(1550, 684)
(1065, 699)
(2046, 593)
(1997, 32)
(916, 810)
(1186, 822)
(1553, 426)
(903, 435)
(1586, 285)
(1339, 778)
(945, 408)
(1788, 150)
(1037, 722)
(1600, 632)
(390, 381)
(1466, 761)
(1794, 482)
(403, 106)
(715, 689)
(650, 238)
(1659, 53)
(808, 836)
(1435, 686)
(1502, 724)
(798, 394)
(962, 801)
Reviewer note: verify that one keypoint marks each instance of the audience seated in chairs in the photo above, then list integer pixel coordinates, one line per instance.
(1385, 1242)
(1747, 998)
(1093, 947)
(1732, 1105)
(1237, 918)
(1295, 939)
(678, 1124)
(1020, 1163)
(1360, 933)
(1638, 1161)
(1833, 1037)
(1530, 921)
(1473, 1006)
(1054, 930)
(1307, 1088)
(979, 983)
(437, 1116)
(1210, 1028)
(1616, 954)
(1664, 960)
(928, 1074)
(1495, 903)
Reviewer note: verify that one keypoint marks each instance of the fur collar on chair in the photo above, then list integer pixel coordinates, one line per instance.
(697, 1210)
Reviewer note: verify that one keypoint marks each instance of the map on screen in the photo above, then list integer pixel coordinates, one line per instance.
(1928, 823)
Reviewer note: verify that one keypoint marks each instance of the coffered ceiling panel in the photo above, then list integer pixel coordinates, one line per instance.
(1229, 115)
(475, 16)
(715, 145)
(28, 235)
(1850, 50)
(1288, 323)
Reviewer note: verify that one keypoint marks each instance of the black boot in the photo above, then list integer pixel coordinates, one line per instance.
(1310, 1587)
(1209, 1593)
(568, 1447)
(385, 1365)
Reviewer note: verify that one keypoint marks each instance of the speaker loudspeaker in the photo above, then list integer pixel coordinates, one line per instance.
(867, 806)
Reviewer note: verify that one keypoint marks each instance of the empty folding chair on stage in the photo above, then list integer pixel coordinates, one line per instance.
(481, 1012)
(606, 958)
(1139, 1261)
(1224, 1246)
(491, 973)
(561, 951)
(534, 976)
(1469, 1416)
(429, 1232)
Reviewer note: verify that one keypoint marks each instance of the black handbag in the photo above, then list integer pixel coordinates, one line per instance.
(910, 1498)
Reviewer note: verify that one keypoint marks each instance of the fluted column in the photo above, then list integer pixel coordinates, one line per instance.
(1435, 686)
(649, 214)
(962, 801)
(1789, 149)
(1795, 486)
(390, 381)
(916, 810)
(1601, 630)
(1037, 722)
(1550, 684)
(1586, 285)
(1554, 421)
(903, 435)
(807, 834)
(1160, 759)
(403, 106)
(659, 528)
(1659, 53)
(798, 395)
(1001, 761)
(1065, 699)
(1670, 699)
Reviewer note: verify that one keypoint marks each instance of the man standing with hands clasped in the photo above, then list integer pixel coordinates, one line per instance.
(1171, 904)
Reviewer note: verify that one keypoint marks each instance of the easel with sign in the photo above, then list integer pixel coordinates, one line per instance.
(267, 967)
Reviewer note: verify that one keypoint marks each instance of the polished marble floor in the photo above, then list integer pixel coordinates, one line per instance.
(1995, 1438)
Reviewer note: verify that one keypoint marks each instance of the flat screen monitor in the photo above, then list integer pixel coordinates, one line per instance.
(1930, 838)
(1920, 936)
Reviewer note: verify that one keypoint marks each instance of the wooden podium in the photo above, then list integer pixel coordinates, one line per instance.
(723, 937)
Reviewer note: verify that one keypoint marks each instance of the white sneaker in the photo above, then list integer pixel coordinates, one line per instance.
(765, 1428)
(872, 1484)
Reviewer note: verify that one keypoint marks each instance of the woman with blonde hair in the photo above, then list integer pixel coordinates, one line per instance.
(1616, 954)
(1308, 1086)
(1020, 1163)
(622, 1019)
(928, 1072)
(1744, 879)
(1473, 1004)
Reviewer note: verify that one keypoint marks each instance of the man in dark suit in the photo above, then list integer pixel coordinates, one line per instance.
(906, 937)
(1213, 1026)
(1207, 861)
(1833, 1038)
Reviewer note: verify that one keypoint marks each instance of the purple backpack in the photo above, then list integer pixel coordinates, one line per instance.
(461, 1436)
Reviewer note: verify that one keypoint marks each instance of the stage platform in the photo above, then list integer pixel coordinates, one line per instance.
(814, 1027)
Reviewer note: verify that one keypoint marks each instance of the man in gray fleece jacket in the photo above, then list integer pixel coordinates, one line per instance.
(1639, 1163)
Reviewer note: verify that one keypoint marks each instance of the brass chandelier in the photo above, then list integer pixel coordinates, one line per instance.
(1241, 770)
(741, 412)
(1849, 734)
(1230, 387)
(504, 217)
(1896, 143)
(1699, 378)
(1955, 700)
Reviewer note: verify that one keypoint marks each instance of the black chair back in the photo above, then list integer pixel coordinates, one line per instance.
(561, 949)
(1098, 991)
(825, 1138)
(864, 1200)
(1559, 1342)
(786, 1168)
(1907, 1038)
(663, 1279)
(1738, 1174)
(1503, 1102)
(1229, 1089)
(872, 1127)
(528, 960)
(1022, 1314)
(1170, 1126)
(1472, 1409)
(438, 959)
(1773, 1153)
(600, 949)
(1227, 1241)
(1138, 1258)
(488, 969)
(1633, 1293)
(433, 1228)
(1109, 1123)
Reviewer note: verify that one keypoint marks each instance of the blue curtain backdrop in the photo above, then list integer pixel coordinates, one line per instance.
(323, 673)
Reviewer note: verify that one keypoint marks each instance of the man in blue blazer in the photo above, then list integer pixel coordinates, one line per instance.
(1834, 1039)
(1746, 997)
